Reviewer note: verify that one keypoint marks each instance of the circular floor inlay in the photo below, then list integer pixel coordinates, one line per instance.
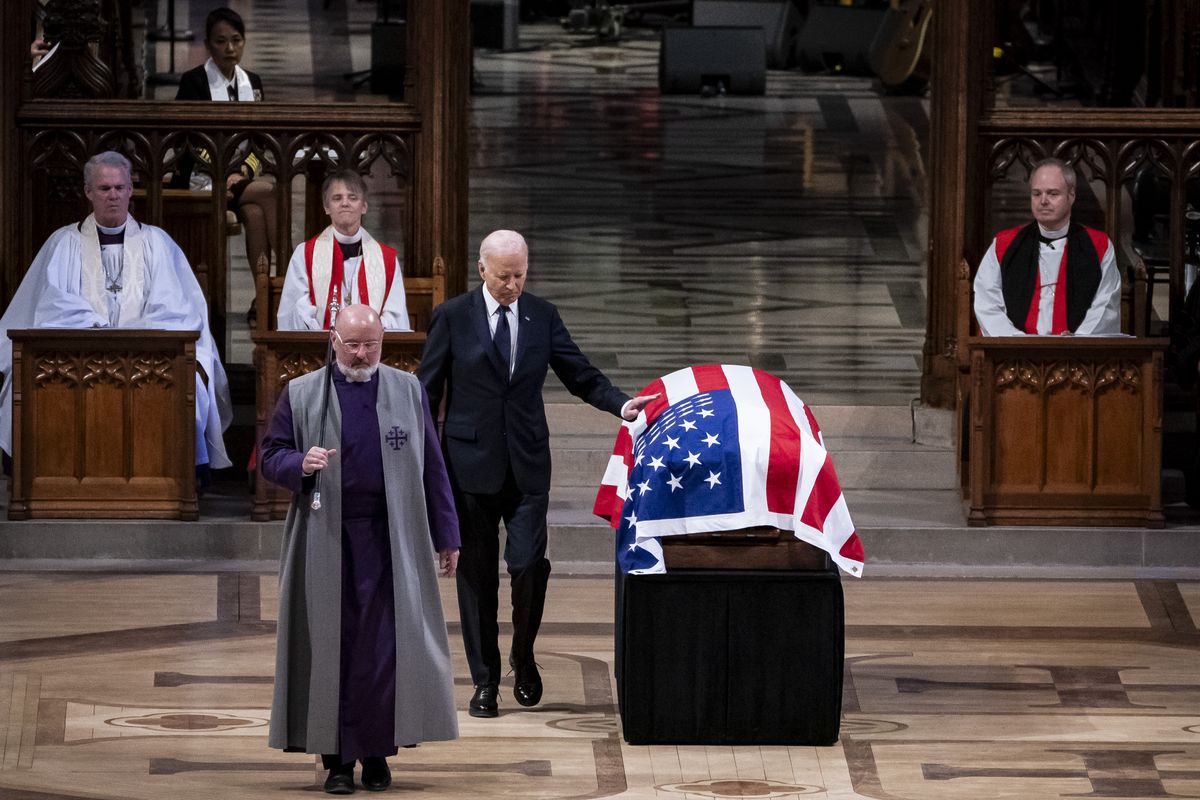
(859, 726)
(759, 789)
(590, 724)
(186, 721)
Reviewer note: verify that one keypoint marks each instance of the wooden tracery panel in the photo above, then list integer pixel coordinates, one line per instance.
(1065, 431)
(1114, 149)
(104, 424)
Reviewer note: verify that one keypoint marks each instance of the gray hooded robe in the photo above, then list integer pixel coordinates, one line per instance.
(304, 714)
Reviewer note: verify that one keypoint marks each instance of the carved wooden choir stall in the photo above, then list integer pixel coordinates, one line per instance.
(1065, 431)
(48, 131)
(1062, 430)
(1070, 431)
(103, 424)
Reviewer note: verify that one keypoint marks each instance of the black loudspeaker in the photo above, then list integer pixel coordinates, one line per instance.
(494, 24)
(388, 41)
(779, 20)
(839, 38)
(730, 59)
(487, 26)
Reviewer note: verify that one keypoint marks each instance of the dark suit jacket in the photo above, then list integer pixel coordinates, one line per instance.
(492, 423)
(193, 84)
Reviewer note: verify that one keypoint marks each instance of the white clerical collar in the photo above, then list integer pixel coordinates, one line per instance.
(217, 79)
(112, 231)
(1056, 234)
(492, 303)
(344, 239)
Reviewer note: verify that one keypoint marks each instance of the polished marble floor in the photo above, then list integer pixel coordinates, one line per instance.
(785, 231)
(119, 686)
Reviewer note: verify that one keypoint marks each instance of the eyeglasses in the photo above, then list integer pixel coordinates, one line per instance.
(355, 347)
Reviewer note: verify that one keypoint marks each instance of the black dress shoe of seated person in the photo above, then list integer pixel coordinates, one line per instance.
(483, 702)
(527, 685)
(376, 776)
(340, 780)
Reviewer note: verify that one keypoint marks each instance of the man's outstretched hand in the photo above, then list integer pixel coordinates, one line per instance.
(635, 406)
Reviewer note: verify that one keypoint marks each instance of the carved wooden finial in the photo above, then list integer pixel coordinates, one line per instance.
(73, 70)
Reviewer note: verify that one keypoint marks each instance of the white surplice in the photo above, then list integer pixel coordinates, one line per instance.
(147, 284)
(296, 309)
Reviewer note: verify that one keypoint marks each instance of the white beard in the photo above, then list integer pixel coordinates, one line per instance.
(359, 374)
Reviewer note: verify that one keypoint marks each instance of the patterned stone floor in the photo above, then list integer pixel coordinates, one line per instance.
(785, 231)
(148, 686)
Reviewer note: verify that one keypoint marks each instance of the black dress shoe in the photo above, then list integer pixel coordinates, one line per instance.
(527, 686)
(483, 702)
(375, 774)
(340, 781)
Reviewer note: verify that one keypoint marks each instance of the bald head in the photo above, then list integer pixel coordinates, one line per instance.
(357, 341)
(503, 262)
(357, 319)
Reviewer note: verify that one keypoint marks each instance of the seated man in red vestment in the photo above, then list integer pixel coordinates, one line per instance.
(1051, 276)
(343, 262)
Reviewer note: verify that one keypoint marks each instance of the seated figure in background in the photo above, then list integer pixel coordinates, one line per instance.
(342, 263)
(110, 271)
(249, 192)
(1051, 276)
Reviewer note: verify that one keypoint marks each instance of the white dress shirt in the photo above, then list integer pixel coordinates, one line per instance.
(493, 306)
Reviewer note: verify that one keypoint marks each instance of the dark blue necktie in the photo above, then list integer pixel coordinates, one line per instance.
(502, 339)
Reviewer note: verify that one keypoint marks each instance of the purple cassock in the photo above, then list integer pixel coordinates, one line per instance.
(367, 690)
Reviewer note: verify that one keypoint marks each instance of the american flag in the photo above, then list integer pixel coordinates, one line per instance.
(723, 448)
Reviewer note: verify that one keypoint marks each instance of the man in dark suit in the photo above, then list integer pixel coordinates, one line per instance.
(487, 354)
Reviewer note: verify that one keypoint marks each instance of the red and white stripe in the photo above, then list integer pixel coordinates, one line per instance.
(799, 491)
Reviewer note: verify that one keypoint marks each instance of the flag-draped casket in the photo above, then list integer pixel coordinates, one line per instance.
(703, 656)
(723, 448)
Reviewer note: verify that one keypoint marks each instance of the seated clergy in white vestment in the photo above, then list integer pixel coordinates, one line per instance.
(110, 271)
(1052, 276)
(342, 265)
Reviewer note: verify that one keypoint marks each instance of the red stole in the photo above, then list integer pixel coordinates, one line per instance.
(338, 277)
(1058, 323)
